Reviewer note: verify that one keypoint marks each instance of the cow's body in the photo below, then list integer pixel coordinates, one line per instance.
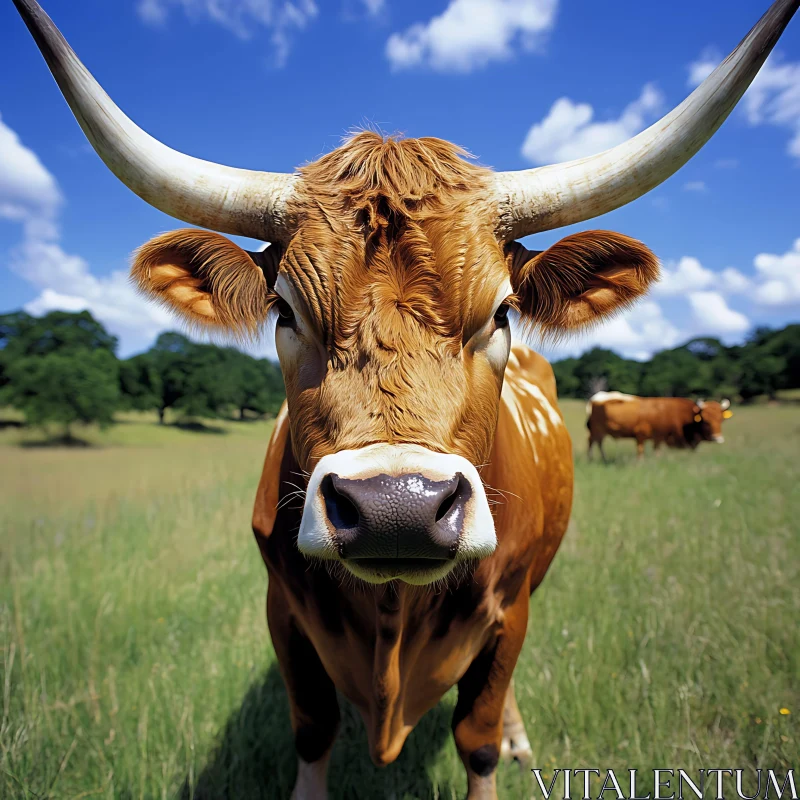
(393, 649)
(674, 421)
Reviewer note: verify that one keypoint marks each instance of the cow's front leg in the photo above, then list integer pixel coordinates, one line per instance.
(479, 715)
(313, 706)
(515, 738)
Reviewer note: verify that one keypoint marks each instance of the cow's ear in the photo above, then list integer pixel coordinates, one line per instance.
(207, 278)
(580, 279)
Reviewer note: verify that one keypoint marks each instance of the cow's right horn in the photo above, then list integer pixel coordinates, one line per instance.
(533, 200)
(225, 199)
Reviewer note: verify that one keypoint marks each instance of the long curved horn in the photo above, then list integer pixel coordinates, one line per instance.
(550, 197)
(225, 199)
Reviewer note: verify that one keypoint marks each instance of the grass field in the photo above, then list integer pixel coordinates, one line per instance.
(136, 661)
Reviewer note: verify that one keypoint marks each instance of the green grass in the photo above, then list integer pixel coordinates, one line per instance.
(136, 661)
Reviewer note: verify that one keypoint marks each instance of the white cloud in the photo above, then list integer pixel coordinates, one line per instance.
(374, 7)
(699, 70)
(695, 186)
(568, 132)
(688, 275)
(243, 17)
(637, 333)
(781, 278)
(733, 282)
(713, 316)
(29, 195)
(28, 192)
(469, 34)
(67, 283)
(772, 99)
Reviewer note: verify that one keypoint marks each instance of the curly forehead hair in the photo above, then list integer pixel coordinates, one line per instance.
(385, 180)
(389, 223)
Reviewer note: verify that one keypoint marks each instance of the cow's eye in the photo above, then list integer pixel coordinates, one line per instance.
(501, 316)
(285, 314)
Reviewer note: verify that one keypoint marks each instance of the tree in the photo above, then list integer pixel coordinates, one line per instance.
(599, 369)
(58, 368)
(169, 359)
(219, 380)
(140, 383)
(210, 381)
(67, 387)
(257, 385)
(10, 327)
(675, 373)
(785, 344)
(567, 383)
(769, 361)
(759, 373)
(58, 331)
(200, 380)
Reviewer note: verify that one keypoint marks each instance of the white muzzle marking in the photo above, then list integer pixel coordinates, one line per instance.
(471, 526)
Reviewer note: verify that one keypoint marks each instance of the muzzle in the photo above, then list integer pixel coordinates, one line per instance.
(402, 512)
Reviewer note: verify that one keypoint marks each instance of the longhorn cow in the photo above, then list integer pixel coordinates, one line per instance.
(392, 268)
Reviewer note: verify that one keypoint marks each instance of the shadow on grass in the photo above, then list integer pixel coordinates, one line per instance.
(195, 426)
(255, 756)
(252, 418)
(611, 460)
(57, 441)
(11, 423)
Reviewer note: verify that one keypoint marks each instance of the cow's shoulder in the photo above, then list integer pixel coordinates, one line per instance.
(529, 392)
(531, 470)
(527, 367)
(532, 447)
(268, 494)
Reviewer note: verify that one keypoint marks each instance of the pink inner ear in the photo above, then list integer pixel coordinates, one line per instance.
(580, 279)
(586, 307)
(204, 277)
(187, 296)
(177, 286)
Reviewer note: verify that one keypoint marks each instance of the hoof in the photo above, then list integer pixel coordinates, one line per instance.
(516, 747)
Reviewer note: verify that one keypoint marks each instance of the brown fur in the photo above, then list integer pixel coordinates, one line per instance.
(205, 277)
(395, 266)
(580, 279)
(406, 646)
(389, 220)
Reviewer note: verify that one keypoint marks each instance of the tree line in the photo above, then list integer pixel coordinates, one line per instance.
(768, 362)
(62, 368)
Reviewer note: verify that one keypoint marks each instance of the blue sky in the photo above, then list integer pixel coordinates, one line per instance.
(271, 84)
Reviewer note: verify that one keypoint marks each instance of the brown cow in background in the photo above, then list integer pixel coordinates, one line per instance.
(676, 421)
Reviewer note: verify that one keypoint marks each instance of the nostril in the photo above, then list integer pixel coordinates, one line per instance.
(446, 505)
(341, 511)
(447, 513)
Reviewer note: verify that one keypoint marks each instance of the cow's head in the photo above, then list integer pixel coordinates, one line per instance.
(392, 299)
(392, 268)
(708, 417)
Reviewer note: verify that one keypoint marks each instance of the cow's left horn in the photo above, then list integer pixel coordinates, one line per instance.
(550, 197)
(225, 199)
(725, 404)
